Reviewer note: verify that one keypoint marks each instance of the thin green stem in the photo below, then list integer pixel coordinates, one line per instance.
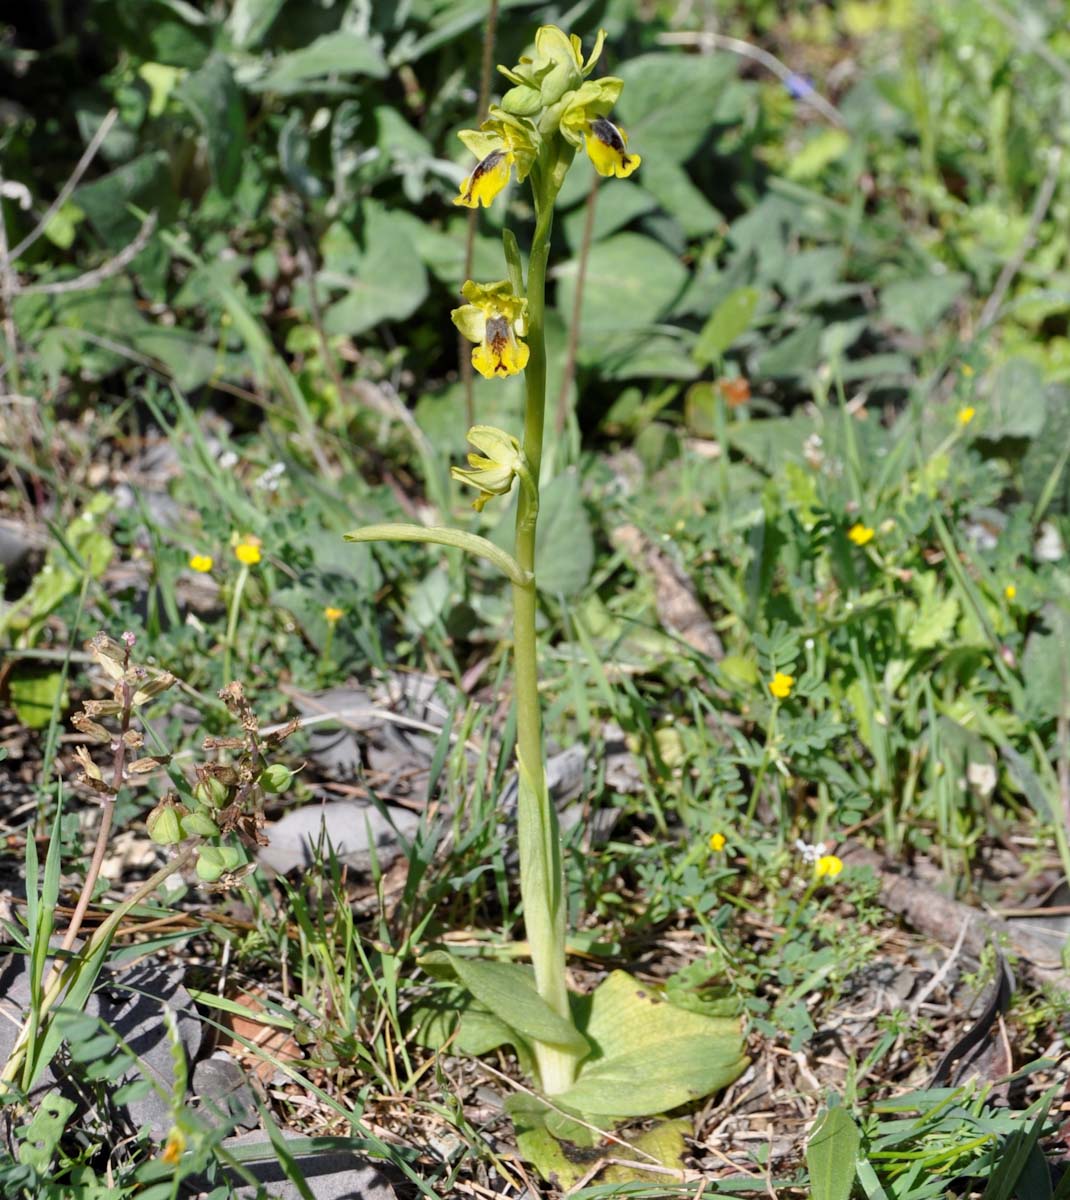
(541, 871)
(232, 621)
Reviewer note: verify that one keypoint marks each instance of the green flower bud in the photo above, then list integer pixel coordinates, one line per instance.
(199, 824)
(214, 861)
(275, 778)
(163, 823)
(211, 792)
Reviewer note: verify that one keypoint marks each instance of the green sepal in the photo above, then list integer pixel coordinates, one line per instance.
(594, 98)
(508, 991)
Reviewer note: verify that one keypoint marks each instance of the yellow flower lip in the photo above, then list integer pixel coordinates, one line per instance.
(492, 319)
(780, 685)
(490, 176)
(860, 534)
(607, 148)
(201, 562)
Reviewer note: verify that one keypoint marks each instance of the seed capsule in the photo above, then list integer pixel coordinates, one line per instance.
(275, 778)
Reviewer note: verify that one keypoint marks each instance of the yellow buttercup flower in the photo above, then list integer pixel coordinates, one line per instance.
(176, 1144)
(717, 843)
(828, 866)
(247, 550)
(966, 415)
(1010, 591)
(780, 685)
(201, 563)
(333, 615)
(860, 534)
(494, 318)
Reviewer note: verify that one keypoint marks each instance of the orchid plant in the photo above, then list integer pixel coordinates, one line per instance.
(617, 1053)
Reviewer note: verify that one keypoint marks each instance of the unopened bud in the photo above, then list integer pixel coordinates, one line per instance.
(199, 824)
(211, 792)
(214, 861)
(163, 823)
(275, 778)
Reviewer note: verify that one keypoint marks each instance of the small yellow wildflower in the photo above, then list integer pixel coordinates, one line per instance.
(1010, 591)
(967, 370)
(247, 551)
(966, 415)
(718, 841)
(176, 1143)
(333, 615)
(781, 685)
(201, 563)
(860, 534)
(828, 866)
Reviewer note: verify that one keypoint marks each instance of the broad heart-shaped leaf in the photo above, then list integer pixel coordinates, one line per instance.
(647, 1055)
(831, 1153)
(564, 542)
(384, 281)
(317, 66)
(631, 281)
(508, 990)
(729, 319)
(214, 99)
(671, 102)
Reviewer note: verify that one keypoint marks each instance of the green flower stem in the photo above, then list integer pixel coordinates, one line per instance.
(232, 621)
(541, 872)
(471, 543)
(61, 980)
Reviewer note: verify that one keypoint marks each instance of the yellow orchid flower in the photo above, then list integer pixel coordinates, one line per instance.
(500, 143)
(495, 319)
(585, 121)
(492, 470)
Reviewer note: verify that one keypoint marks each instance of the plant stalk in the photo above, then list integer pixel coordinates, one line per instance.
(541, 871)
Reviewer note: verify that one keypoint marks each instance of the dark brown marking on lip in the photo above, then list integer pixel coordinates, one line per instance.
(482, 167)
(609, 135)
(498, 340)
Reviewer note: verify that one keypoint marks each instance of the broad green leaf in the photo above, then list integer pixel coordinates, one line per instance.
(935, 618)
(564, 542)
(917, 304)
(144, 182)
(384, 278)
(825, 147)
(249, 20)
(321, 64)
(543, 1148)
(1016, 403)
(671, 187)
(647, 1054)
(671, 102)
(508, 990)
(34, 693)
(214, 99)
(664, 1143)
(729, 319)
(615, 207)
(631, 281)
(39, 1140)
(1045, 665)
(830, 1155)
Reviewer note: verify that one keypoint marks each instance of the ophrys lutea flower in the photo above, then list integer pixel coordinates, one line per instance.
(501, 143)
(494, 318)
(585, 121)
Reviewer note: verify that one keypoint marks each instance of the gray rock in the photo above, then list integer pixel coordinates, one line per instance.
(350, 826)
(337, 1175)
(16, 542)
(223, 1092)
(132, 1003)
